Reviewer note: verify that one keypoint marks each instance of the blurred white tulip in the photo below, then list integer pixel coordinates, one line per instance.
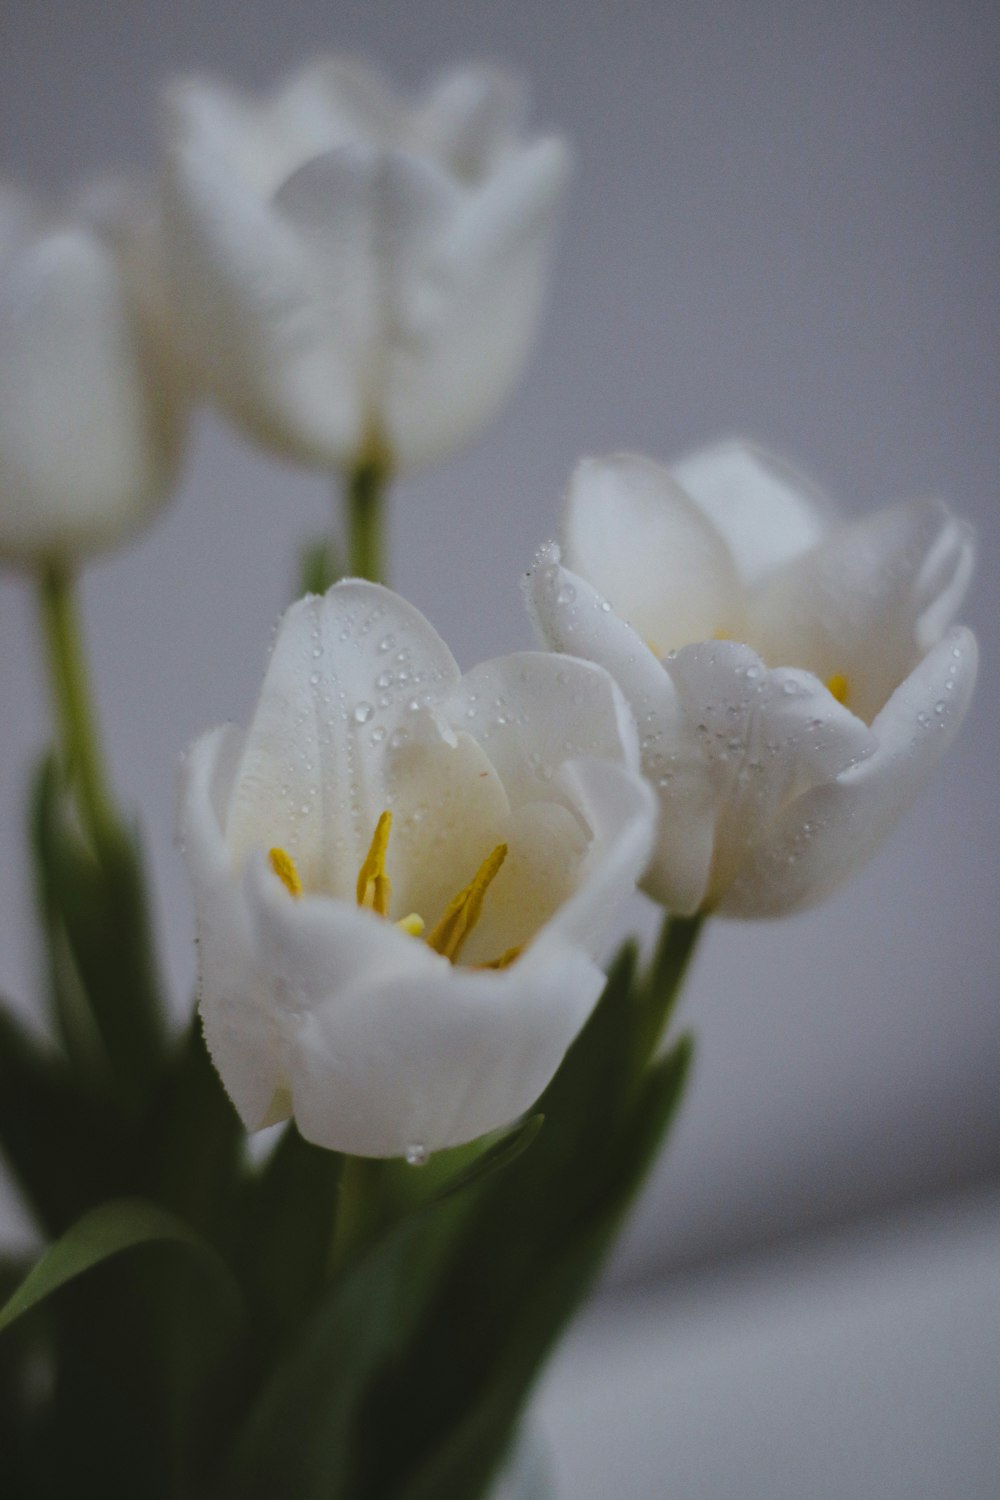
(92, 412)
(357, 278)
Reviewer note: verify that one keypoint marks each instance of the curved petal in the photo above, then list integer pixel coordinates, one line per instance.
(374, 224)
(764, 737)
(244, 1036)
(618, 810)
(470, 117)
(764, 511)
(532, 710)
(473, 310)
(439, 1056)
(829, 832)
(84, 456)
(334, 101)
(632, 532)
(863, 603)
(334, 707)
(572, 616)
(247, 309)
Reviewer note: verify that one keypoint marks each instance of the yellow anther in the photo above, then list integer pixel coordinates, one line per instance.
(374, 889)
(413, 925)
(464, 910)
(283, 866)
(839, 686)
(505, 960)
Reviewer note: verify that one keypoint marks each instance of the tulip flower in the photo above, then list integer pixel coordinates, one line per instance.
(794, 681)
(357, 278)
(91, 415)
(400, 874)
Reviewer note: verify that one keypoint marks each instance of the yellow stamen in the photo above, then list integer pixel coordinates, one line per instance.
(505, 960)
(283, 866)
(839, 686)
(374, 888)
(412, 924)
(464, 910)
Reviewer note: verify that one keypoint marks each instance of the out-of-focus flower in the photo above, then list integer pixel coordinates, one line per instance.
(794, 683)
(400, 874)
(91, 408)
(357, 277)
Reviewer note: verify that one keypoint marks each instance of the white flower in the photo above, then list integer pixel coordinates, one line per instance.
(356, 275)
(794, 683)
(400, 874)
(91, 415)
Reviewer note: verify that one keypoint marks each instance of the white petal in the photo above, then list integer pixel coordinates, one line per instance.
(865, 602)
(572, 616)
(473, 311)
(441, 1055)
(618, 810)
(246, 303)
(335, 101)
(315, 771)
(765, 737)
(765, 512)
(470, 117)
(532, 710)
(84, 455)
(374, 224)
(830, 832)
(242, 1031)
(633, 533)
(449, 811)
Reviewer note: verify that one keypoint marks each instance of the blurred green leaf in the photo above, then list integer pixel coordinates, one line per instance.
(114, 1227)
(102, 969)
(63, 1149)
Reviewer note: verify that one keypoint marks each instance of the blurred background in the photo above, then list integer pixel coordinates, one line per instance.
(783, 225)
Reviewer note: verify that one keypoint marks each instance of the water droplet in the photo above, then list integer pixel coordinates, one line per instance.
(566, 594)
(383, 680)
(562, 677)
(605, 606)
(378, 734)
(416, 1154)
(386, 643)
(314, 678)
(363, 713)
(399, 737)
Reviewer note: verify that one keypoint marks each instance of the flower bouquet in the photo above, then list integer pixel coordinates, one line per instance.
(404, 877)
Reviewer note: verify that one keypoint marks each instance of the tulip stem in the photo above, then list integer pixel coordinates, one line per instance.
(364, 493)
(71, 699)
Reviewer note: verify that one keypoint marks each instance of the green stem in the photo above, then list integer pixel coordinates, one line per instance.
(364, 493)
(75, 720)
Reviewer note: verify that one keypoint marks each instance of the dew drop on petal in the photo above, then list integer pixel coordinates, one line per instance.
(363, 712)
(400, 737)
(416, 1154)
(386, 643)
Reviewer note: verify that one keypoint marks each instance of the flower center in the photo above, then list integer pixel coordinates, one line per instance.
(839, 686)
(374, 890)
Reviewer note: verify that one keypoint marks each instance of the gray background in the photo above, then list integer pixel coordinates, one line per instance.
(783, 224)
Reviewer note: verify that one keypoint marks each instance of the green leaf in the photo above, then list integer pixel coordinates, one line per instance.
(286, 1232)
(62, 1148)
(102, 967)
(529, 1252)
(120, 1225)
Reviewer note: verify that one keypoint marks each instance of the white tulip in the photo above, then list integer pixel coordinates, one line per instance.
(91, 415)
(356, 276)
(794, 682)
(400, 874)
